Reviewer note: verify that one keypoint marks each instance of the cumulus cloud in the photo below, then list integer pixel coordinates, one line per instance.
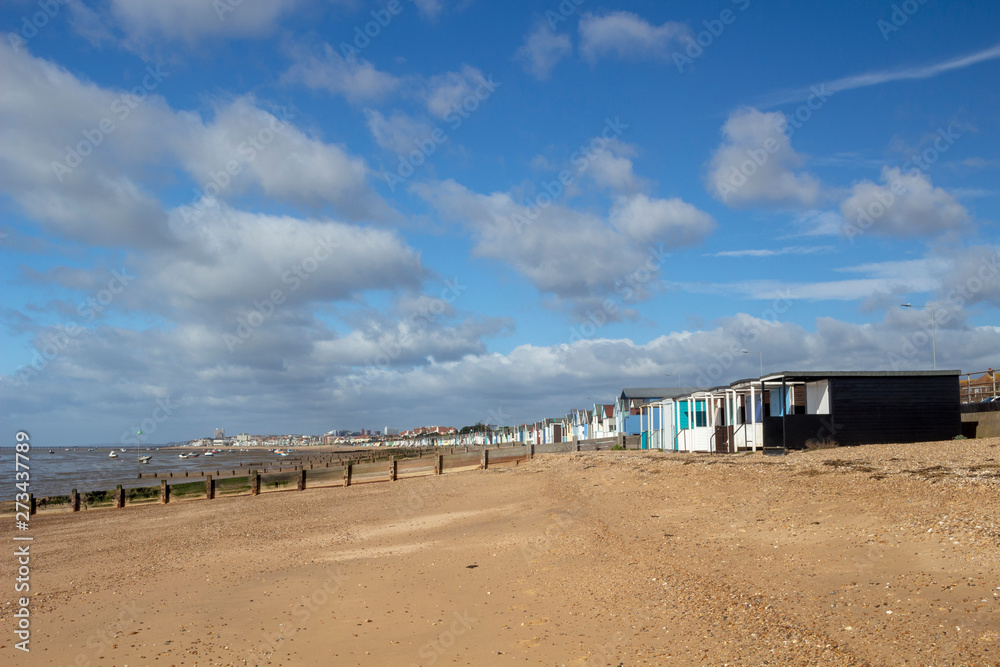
(628, 36)
(445, 92)
(968, 276)
(356, 79)
(672, 221)
(231, 257)
(756, 163)
(903, 205)
(85, 161)
(612, 167)
(301, 368)
(594, 256)
(272, 153)
(69, 152)
(542, 50)
(599, 367)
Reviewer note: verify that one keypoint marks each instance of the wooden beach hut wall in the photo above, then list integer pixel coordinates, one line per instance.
(860, 407)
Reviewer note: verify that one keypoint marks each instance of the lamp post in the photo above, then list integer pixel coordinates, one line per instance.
(761, 361)
(933, 328)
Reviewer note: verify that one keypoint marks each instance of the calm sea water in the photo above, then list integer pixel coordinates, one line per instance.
(62, 471)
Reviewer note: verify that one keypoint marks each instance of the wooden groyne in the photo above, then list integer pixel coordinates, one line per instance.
(342, 472)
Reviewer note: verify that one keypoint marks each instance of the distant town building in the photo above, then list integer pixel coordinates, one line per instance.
(242, 437)
(220, 434)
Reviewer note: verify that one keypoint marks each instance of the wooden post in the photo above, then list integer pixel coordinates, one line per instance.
(348, 471)
(31, 503)
(74, 500)
(164, 492)
(484, 459)
(119, 497)
(576, 444)
(254, 483)
(531, 451)
(393, 469)
(438, 464)
(209, 487)
(302, 479)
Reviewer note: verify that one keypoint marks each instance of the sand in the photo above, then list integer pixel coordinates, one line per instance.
(880, 555)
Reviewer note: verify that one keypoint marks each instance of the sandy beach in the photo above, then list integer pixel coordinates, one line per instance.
(879, 555)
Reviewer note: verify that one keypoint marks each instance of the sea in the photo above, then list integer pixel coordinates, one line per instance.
(58, 470)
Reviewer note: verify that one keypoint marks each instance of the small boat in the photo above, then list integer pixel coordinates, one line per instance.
(182, 456)
(145, 459)
(52, 451)
(122, 450)
(91, 449)
(112, 455)
(192, 455)
(209, 454)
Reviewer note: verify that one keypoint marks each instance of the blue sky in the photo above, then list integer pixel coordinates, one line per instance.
(262, 218)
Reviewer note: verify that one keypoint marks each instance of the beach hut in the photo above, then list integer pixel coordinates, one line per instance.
(860, 407)
(724, 419)
(628, 406)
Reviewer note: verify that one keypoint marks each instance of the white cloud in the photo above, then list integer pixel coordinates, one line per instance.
(356, 79)
(445, 92)
(817, 222)
(904, 205)
(195, 20)
(228, 258)
(591, 256)
(290, 384)
(399, 133)
(430, 9)
(880, 77)
(542, 50)
(100, 190)
(279, 158)
(671, 221)
(382, 344)
(571, 255)
(775, 252)
(612, 167)
(969, 276)
(901, 277)
(89, 23)
(562, 376)
(628, 36)
(72, 177)
(756, 163)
